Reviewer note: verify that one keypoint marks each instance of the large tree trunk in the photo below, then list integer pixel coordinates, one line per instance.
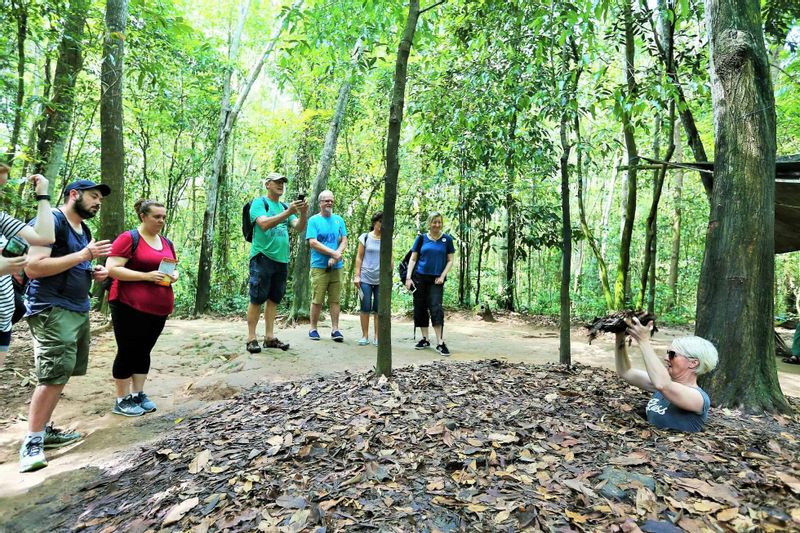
(384, 363)
(57, 112)
(228, 117)
(735, 298)
(21, 15)
(622, 284)
(112, 149)
(302, 296)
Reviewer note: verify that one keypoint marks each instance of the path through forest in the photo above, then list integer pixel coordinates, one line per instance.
(198, 362)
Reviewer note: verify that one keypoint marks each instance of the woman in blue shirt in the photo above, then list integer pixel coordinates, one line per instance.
(678, 403)
(433, 259)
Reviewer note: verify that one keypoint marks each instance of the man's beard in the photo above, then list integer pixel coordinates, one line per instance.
(82, 210)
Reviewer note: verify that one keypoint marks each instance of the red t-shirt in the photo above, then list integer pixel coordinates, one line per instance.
(144, 296)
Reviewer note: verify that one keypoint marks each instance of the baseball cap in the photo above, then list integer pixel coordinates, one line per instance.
(82, 185)
(274, 176)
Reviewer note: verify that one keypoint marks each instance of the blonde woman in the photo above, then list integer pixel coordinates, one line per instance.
(678, 403)
(427, 272)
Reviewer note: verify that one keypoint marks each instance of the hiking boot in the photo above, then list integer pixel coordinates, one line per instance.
(144, 402)
(253, 347)
(442, 349)
(127, 407)
(422, 344)
(337, 336)
(275, 343)
(313, 335)
(31, 455)
(363, 341)
(55, 438)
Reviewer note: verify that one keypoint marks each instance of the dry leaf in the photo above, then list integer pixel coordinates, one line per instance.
(726, 515)
(177, 511)
(790, 481)
(199, 462)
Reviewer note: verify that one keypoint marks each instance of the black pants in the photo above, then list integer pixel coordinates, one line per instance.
(428, 301)
(136, 334)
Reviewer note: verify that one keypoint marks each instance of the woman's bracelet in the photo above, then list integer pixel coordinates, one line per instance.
(90, 253)
(40, 197)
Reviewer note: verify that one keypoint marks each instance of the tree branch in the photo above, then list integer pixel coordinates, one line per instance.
(437, 4)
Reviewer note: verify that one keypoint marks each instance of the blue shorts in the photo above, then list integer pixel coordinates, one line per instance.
(267, 279)
(369, 303)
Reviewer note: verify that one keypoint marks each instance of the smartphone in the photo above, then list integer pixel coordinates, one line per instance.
(301, 197)
(167, 267)
(15, 247)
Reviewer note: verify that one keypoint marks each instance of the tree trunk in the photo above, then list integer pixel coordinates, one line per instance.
(57, 112)
(112, 149)
(227, 121)
(302, 296)
(648, 267)
(676, 226)
(735, 302)
(384, 363)
(564, 349)
(623, 282)
(21, 14)
(511, 245)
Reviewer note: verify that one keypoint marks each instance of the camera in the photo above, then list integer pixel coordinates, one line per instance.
(16, 247)
(301, 197)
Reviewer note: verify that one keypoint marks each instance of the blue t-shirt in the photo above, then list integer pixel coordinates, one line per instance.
(70, 289)
(433, 254)
(328, 231)
(663, 415)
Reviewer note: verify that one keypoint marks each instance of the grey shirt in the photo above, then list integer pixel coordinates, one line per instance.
(370, 266)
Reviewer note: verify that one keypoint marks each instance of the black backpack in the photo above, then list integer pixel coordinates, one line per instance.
(20, 281)
(247, 226)
(402, 268)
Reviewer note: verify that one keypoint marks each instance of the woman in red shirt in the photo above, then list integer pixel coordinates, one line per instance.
(141, 299)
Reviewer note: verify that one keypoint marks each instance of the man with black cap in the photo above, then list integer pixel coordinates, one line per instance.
(58, 313)
(269, 257)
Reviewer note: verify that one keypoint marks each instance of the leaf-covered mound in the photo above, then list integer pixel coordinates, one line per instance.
(476, 446)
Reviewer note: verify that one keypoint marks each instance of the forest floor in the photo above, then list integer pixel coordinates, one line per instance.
(198, 365)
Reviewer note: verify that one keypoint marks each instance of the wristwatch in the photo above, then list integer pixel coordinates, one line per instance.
(40, 197)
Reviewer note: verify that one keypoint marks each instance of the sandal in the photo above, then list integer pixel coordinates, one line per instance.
(275, 343)
(253, 347)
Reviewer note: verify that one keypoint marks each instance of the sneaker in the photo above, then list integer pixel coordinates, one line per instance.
(31, 455)
(253, 346)
(337, 336)
(275, 343)
(363, 341)
(127, 407)
(313, 335)
(375, 342)
(144, 402)
(55, 438)
(422, 344)
(442, 349)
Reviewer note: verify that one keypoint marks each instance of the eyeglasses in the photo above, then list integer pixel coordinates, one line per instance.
(326, 201)
(672, 354)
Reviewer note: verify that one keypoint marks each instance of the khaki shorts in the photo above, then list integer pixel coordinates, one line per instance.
(325, 282)
(60, 344)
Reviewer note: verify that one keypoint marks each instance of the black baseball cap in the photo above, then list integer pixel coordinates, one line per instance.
(83, 185)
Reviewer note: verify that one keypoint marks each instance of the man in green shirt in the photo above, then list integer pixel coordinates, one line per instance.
(269, 257)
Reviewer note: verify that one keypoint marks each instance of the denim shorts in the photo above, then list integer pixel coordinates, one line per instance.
(267, 279)
(369, 301)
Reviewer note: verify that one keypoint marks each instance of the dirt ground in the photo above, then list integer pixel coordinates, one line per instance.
(200, 362)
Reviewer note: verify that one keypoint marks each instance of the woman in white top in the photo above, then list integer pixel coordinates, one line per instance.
(367, 277)
(42, 234)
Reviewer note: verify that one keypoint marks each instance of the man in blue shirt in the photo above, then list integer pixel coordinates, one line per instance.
(58, 312)
(327, 238)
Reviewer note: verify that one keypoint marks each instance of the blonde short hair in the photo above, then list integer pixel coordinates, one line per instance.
(699, 349)
(432, 215)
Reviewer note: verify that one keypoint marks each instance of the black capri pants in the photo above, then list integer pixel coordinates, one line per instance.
(428, 301)
(136, 334)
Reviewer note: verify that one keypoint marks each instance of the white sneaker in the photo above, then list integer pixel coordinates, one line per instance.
(31, 455)
(363, 341)
(375, 342)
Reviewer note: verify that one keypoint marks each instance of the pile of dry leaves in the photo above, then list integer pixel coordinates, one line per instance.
(482, 446)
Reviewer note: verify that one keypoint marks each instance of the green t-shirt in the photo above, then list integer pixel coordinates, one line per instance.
(273, 243)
